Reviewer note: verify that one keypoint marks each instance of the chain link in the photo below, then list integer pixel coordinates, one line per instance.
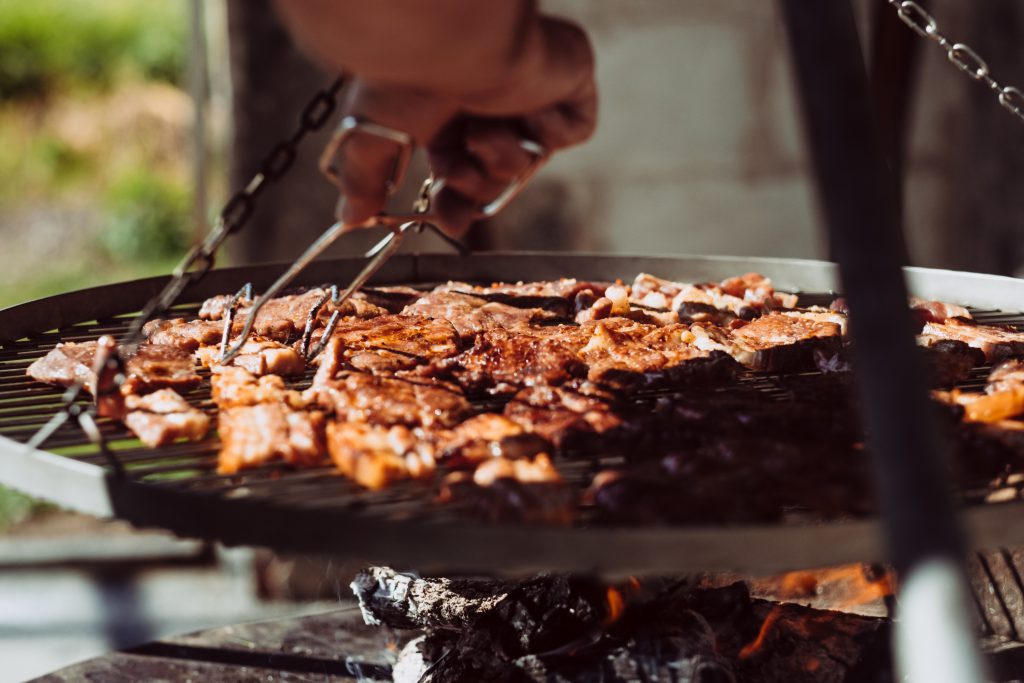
(238, 209)
(961, 54)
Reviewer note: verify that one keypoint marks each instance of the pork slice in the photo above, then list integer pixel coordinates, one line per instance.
(375, 456)
(163, 417)
(995, 342)
(151, 367)
(258, 356)
(253, 435)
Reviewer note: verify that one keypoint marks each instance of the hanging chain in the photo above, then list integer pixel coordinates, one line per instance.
(196, 264)
(965, 58)
(200, 259)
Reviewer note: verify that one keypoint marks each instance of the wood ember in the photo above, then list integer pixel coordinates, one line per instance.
(389, 598)
(560, 628)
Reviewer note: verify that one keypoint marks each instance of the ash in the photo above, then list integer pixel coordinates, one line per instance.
(558, 628)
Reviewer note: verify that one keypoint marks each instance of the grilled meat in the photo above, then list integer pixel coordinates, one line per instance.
(258, 356)
(389, 343)
(285, 317)
(743, 298)
(361, 397)
(1006, 376)
(234, 387)
(374, 456)
(777, 342)
(151, 367)
(569, 416)
(261, 421)
(563, 297)
(471, 315)
(187, 335)
(626, 355)
(500, 490)
(737, 479)
(937, 311)
(949, 360)
(256, 434)
(485, 437)
(163, 417)
(502, 361)
(995, 342)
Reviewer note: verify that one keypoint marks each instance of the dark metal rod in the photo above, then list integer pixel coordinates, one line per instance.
(861, 215)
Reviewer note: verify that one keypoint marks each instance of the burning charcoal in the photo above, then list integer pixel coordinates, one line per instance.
(396, 600)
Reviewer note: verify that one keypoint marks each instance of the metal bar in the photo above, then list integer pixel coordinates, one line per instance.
(909, 457)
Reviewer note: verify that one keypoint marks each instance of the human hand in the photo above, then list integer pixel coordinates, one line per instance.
(470, 114)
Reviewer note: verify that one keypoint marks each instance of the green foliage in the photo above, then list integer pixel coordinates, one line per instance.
(49, 43)
(14, 507)
(147, 217)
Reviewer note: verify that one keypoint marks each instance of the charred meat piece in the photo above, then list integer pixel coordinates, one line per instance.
(471, 315)
(486, 437)
(390, 343)
(995, 342)
(264, 432)
(776, 342)
(258, 356)
(626, 355)
(361, 397)
(285, 317)
(375, 456)
(949, 360)
(570, 416)
(163, 417)
(502, 361)
(151, 367)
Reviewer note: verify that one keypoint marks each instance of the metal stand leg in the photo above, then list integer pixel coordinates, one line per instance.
(934, 636)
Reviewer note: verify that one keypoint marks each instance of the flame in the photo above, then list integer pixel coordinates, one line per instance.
(616, 605)
(845, 588)
(757, 643)
(391, 646)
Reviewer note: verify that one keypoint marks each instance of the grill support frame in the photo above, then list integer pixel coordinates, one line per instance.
(350, 533)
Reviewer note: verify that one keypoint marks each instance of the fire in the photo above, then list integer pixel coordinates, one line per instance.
(616, 605)
(844, 588)
(757, 643)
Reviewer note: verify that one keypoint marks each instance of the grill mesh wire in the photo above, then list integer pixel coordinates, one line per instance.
(25, 405)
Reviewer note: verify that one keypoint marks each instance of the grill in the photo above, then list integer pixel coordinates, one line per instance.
(318, 511)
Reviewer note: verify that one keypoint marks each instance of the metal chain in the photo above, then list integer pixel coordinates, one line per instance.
(237, 211)
(196, 264)
(965, 58)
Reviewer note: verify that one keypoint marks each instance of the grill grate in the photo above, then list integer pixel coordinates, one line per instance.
(191, 467)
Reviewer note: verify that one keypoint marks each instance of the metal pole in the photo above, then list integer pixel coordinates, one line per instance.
(198, 90)
(934, 639)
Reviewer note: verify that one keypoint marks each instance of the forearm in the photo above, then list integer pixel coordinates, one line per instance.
(461, 46)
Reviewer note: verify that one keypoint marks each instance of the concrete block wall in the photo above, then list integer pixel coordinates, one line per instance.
(700, 149)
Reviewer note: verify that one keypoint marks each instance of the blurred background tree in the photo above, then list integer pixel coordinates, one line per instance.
(94, 142)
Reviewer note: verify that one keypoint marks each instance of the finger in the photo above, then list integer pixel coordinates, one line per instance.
(462, 173)
(367, 163)
(496, 146)
(455, 212)
(565, 124)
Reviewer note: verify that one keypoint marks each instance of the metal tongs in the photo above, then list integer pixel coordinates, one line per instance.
(400, 223)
